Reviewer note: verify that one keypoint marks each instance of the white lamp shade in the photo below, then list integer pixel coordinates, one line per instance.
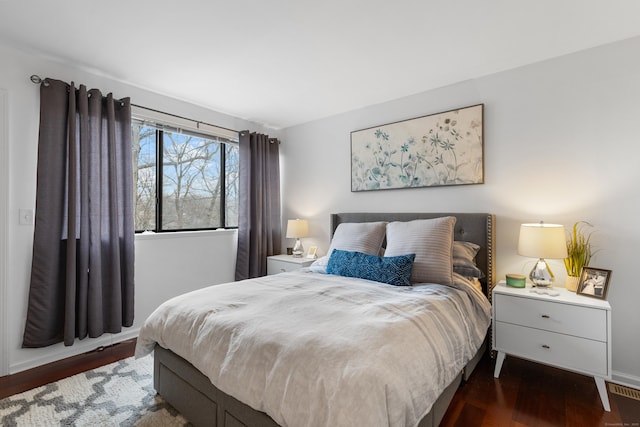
(297, 228)
(542, 241)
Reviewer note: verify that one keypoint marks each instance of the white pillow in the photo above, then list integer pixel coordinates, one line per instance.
(366, 237)
(432, 242)
(320, 265)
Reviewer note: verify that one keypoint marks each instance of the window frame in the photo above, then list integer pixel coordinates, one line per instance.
(165, 122)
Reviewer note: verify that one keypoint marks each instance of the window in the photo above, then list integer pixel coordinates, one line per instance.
(185, 179)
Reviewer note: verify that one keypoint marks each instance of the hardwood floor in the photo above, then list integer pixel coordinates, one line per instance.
(36, 377)
(531, 394)
(527, 394)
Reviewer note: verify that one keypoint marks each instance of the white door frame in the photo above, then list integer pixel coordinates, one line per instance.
(4, 227)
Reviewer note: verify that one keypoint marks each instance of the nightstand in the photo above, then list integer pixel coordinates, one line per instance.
(568, 331)
(281, 263)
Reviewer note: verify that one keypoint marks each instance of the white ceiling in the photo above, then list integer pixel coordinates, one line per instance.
(286, 62)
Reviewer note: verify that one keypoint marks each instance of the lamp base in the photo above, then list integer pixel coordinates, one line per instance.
(298, 250)
(541, 275)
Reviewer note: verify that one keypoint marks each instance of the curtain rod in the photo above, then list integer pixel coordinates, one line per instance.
(38, 80)
(183, 118)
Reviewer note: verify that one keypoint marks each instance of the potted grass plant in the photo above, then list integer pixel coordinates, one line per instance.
(579, 252)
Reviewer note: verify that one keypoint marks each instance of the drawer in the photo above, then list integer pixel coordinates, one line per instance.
(563, 351)
(584, 322)
(275, 266)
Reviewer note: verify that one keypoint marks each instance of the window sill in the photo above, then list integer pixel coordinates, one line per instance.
(184, 234)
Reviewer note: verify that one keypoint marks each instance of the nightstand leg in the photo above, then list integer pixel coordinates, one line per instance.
(602, 389)
(499, 361)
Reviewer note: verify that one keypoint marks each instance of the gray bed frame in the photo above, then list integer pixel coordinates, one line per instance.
(194, 396)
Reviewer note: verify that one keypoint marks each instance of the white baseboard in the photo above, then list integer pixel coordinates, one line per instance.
(59, 352)
(125, 335)
(626, 380)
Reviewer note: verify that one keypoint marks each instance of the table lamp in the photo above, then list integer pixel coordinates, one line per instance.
(297, 228)
(542, 241)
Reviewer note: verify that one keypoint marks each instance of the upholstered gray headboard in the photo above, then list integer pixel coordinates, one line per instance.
(478, 228)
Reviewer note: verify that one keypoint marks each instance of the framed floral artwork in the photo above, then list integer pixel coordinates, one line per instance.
(435, 150)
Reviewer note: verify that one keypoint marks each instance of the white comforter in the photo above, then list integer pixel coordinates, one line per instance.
(312, 349)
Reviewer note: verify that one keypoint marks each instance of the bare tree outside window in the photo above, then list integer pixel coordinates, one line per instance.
(192, 172)
(143, 145)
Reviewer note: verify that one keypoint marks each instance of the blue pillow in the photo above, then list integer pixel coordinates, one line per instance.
(395, 270)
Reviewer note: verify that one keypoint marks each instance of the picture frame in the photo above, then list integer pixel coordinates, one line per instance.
(594, 282)
(440, 149)
(311, 253)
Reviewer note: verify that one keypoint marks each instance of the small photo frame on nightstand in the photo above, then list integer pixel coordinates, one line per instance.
(594, 282)
(311, 254)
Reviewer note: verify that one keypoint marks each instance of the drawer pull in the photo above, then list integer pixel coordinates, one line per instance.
(545, 316)
(545, 346)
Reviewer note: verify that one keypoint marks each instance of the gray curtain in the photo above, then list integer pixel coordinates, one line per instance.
(259, 222)
(83, 248)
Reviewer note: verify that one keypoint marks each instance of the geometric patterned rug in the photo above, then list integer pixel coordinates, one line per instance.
(119, 394)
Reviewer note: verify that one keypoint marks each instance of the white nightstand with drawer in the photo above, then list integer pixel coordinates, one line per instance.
(568, 331)
(281, 263)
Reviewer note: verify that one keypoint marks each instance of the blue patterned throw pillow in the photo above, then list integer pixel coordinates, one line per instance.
(395, 270)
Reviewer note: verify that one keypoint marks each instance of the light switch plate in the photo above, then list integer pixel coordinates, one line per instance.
(26, 217)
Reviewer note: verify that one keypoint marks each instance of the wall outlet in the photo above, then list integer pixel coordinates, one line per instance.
(25, 217)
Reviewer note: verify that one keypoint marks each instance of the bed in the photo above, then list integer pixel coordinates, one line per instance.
(201, 384)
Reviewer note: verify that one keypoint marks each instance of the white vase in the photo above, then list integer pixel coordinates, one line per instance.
(571, 283)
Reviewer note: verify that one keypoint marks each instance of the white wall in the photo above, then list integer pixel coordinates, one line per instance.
(561, 145)
(171, 263)
(165, 265)
(577, 113)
